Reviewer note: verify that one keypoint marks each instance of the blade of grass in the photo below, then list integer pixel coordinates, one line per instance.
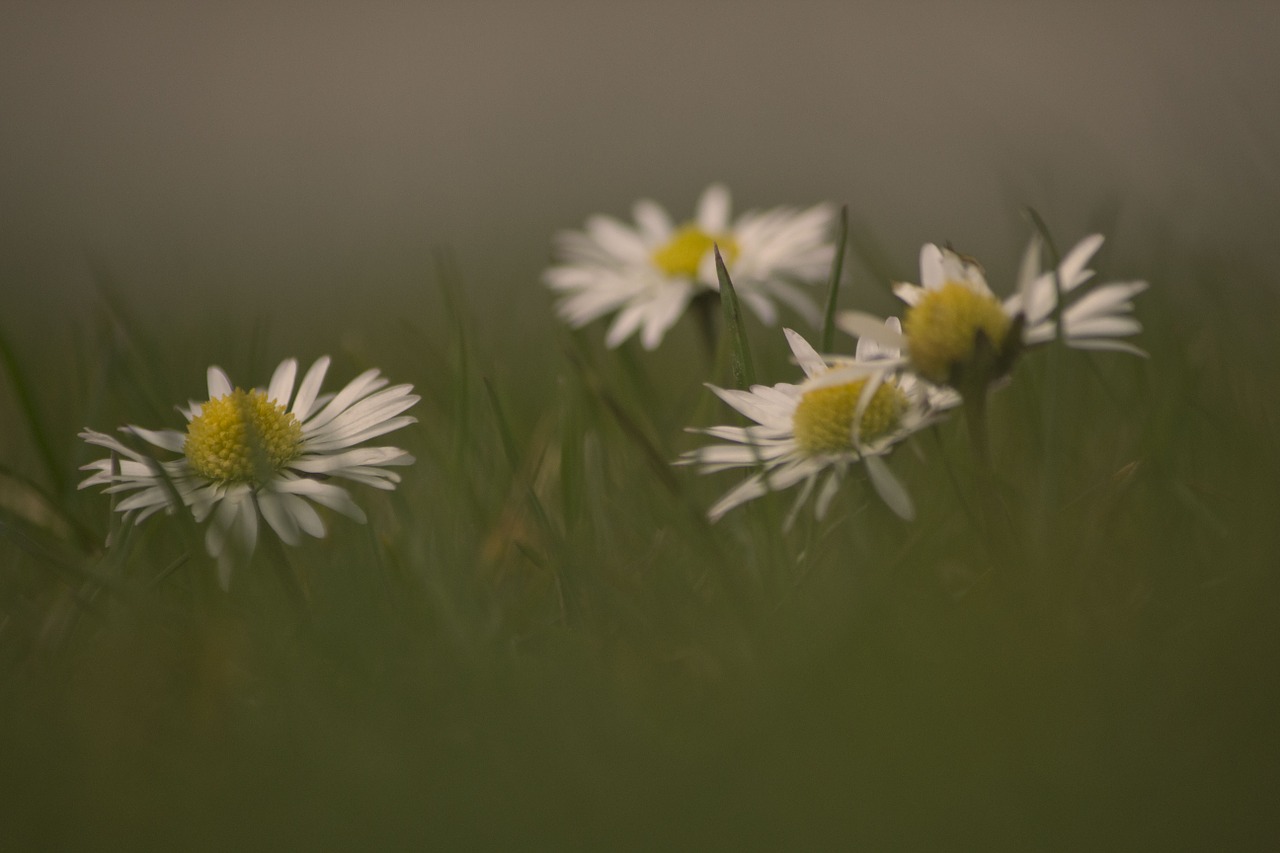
(744, 375)
(31, 414)
(833, 290)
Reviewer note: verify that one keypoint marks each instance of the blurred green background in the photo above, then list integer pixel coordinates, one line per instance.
(536, 643)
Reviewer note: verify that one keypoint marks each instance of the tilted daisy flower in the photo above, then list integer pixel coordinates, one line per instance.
(251, 453)
(845, 411)
(954, 325)
(647, 274)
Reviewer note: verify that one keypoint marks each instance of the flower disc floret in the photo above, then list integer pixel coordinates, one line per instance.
(238, 437)
(683, 253)
(823, 419)
(942, 328)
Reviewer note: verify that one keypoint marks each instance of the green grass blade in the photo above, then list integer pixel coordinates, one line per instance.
(739, 353)
(31, 414)
(509, 447)
(833, 289)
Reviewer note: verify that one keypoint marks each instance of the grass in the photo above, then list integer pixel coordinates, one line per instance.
(538, 641)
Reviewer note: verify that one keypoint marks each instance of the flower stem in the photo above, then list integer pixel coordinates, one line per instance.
(975, 419)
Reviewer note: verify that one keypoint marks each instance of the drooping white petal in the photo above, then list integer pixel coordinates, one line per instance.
(662, 313)
(328, 495)
(829, 490)
(277, 515)
(890, 488)
(749, 489)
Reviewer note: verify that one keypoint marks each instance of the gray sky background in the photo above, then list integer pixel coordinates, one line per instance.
(255, 158)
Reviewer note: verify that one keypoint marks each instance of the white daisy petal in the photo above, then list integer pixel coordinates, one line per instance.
(932, 271)
(281, 387)
(890, 488)
(862, 325)
(363, 385)
(309, 388)
(219, 383)
(165, 438)
(278, 516)
(654, 223)
(328, 495)
(713, 209)
(1072, 266)
(810, 362)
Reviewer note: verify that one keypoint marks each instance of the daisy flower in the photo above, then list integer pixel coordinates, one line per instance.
(845, 411)
(251, 453)
(647, 274)
(954, 323)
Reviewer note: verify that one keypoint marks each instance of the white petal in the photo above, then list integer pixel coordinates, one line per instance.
(309, 388)
(1073, 264)
(890, 489)
(663, 311)
(760, 306)
(219, 383)
(281, 387)
(713, 209)
(167, 438)
(325, 463)
(869, 349)
(363, 385)
(828, 493)
(655, 224)
(624, 325)
(932, 274)
(617, 239)
(805, 354)
(862, 325)
(1103, 327)
(278, 516)
(797, 300)
(749, 489)
(326, 494)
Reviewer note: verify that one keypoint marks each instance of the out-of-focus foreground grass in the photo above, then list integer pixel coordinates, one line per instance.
(539, 641)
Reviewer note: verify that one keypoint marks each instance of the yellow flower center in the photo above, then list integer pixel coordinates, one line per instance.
(243, 437)
(823, 419)
(684, 251)
(942, 328)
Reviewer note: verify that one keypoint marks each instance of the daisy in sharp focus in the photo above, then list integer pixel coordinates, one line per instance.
(647, 274)
(845, 411)
(251, 453)
(954, 323)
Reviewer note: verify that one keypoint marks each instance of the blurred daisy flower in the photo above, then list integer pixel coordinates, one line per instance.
(956, 330)
(845, 411)
(647, 274)
(251, 453)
